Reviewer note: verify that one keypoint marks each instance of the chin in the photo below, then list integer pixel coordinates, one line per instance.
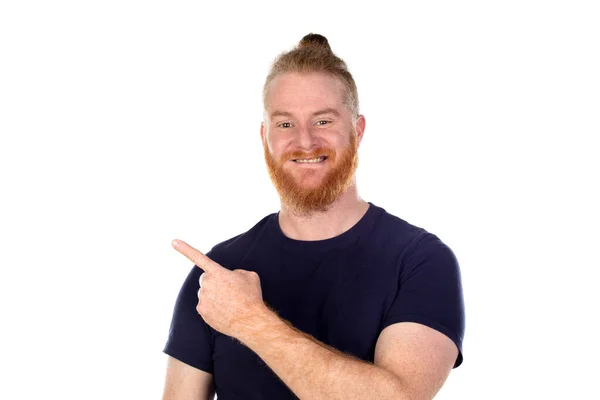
(310, 183)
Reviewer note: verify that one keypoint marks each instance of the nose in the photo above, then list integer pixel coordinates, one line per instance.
(306, 138)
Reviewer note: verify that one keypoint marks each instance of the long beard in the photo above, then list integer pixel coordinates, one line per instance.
(293, 187)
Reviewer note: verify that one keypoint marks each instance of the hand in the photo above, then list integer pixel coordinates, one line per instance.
(229, 301)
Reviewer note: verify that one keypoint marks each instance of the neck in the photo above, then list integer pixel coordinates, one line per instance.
(342, 215)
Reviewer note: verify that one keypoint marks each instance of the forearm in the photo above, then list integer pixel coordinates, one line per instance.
(313, 370)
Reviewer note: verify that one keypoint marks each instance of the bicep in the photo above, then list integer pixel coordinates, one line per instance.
(420, 356)
(184, 382)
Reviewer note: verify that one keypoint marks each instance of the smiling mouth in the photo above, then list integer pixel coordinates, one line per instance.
(310, 160)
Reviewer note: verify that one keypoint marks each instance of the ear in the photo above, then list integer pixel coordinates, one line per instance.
(360, 128)
(262, 132)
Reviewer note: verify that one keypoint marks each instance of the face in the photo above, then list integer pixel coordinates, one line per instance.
(310, 141)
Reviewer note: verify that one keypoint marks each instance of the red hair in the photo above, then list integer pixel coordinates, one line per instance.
(313, 54)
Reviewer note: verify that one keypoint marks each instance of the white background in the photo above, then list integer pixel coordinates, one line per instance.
(126, 124)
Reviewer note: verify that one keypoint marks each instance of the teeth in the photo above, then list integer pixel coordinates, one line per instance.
(312, 160)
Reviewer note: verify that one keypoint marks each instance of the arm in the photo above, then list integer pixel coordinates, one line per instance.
(412, 361)
(184, 382)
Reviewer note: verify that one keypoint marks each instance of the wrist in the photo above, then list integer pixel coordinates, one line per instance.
(262, 327)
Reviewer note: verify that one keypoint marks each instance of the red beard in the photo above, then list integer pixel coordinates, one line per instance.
(297, 194)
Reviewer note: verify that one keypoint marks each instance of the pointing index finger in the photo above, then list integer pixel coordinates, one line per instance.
(197, 257)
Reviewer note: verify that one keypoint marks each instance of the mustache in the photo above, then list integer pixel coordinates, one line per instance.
(296, 154)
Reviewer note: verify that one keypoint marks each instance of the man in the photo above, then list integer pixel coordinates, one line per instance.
(331, 297)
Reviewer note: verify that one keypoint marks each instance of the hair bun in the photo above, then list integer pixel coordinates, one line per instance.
(314, 40)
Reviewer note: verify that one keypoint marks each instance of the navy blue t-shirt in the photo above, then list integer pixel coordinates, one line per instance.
(343, 291)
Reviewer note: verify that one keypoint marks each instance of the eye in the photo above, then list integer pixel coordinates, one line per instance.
(325, 122)
(284, 125)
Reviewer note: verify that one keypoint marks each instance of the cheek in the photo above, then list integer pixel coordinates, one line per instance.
(279, 146)
(272, 152)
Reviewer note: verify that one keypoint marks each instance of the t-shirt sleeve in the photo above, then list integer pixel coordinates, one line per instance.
(190, 339)
(430, 291)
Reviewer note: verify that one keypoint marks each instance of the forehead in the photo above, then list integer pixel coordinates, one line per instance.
(295, 92)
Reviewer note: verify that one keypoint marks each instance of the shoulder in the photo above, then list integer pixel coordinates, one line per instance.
(392, 231)
(411, 241)
(391, 223)
(235, 248)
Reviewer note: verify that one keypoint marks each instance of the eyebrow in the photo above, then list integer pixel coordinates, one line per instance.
(315, 114)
